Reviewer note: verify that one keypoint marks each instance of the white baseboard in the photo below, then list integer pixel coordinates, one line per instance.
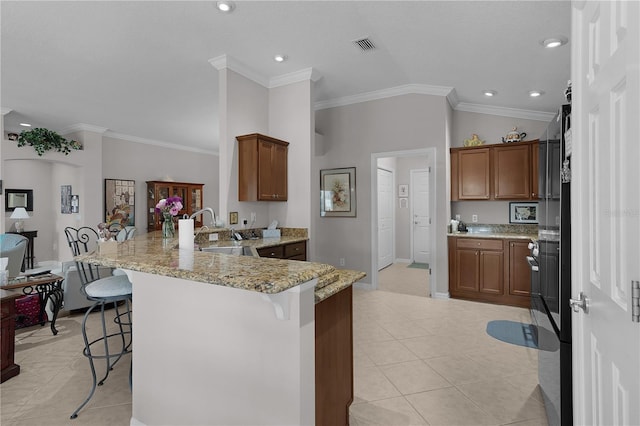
(135, 422)
(441, 295)
(364, 286)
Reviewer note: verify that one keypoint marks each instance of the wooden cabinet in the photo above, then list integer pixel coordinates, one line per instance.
(480, 266)
(512, 172)
(474, 174)
(262, 168)
(496, 172)
(489, 270)
(8, 366)
(190, 193)
(334, 358)
(292, 251)
(519, 269)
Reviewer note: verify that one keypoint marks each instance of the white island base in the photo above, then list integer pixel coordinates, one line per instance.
(205, 354)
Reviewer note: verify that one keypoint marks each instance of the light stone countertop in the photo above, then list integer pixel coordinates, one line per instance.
(152, 254)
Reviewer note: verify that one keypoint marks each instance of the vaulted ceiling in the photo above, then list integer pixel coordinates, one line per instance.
(141, 69)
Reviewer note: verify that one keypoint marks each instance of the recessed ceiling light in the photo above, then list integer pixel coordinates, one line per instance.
(536, 93)
(25, 124)
(225, 6)
(280, 58)
(489, 93)
(555, 41)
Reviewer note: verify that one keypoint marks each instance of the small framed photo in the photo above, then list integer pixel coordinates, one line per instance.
(523, 212)
(404, 202)
(403, 190)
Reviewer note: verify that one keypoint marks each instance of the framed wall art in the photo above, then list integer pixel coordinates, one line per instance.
(523, 212)
(119, 201)
(338, 192)
(18, 198)
(403, 190)
(65, 199)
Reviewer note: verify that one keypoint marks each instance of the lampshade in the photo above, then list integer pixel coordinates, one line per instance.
(20, 213)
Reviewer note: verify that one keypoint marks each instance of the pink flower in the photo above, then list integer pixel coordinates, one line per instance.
(171, 205)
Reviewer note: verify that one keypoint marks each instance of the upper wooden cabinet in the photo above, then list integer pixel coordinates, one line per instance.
(262, 168)
(190, 193)
(495, 172)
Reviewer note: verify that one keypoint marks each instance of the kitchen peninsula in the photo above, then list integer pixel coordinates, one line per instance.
(224, 339)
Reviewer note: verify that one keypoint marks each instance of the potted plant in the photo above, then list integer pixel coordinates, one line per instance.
(43, 140)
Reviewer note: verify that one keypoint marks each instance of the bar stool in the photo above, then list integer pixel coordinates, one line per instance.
(103, 289)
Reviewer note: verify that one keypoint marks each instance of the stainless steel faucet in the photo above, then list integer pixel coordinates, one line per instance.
(206, 209)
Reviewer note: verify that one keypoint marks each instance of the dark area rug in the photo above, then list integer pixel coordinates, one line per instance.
(418, 265)
(516, 333)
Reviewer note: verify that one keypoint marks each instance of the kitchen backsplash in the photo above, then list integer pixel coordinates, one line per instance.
(502, 228)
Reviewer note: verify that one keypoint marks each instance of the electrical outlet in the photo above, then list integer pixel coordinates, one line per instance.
(342, 261)
(457, 217)
(213, 237)
(474, 218)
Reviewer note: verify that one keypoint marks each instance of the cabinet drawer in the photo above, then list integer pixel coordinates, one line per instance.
(275, 251)
(479, 243)
(295, 249)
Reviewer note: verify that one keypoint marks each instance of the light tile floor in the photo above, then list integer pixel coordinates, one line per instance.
(417, 361)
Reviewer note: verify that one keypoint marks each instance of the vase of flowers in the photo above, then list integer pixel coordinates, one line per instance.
(169, 208)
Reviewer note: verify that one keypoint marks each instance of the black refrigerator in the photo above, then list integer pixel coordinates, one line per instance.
(550, 262)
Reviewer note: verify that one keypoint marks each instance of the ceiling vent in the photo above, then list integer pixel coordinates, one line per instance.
(365, 44)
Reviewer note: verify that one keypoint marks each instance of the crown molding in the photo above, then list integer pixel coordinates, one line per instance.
(162, 144)
(5, 111)
(225, 61)
(419, 89)
(452, 97)
(295, 77)
(505, 112)
(82, 127)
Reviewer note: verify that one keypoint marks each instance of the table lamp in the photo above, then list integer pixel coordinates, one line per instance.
(19, 213)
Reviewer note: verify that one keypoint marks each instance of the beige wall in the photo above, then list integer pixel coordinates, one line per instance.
(351, 134)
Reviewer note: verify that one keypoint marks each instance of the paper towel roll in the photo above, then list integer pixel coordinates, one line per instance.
(185, 234)
(185, 258)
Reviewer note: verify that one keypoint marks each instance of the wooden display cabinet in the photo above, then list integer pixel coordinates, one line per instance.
(262, 168)
(190, 193)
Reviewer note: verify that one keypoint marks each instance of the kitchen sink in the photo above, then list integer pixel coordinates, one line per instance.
(235, 250)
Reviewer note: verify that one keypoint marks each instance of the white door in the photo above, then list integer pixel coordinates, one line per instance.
(606, 210)
(385, 218)
(421, 223)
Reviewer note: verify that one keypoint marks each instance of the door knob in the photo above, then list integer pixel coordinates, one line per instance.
(581, 303)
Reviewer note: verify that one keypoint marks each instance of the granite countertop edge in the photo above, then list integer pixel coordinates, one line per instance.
(149, 253)
(496, 235)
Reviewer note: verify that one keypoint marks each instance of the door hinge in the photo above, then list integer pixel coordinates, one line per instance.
(635, 301)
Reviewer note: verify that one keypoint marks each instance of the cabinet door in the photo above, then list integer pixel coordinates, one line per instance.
(467, 270)
(535, 170)
(519, 270)
(279, 172)
(266, 180)
(512, 172)
(492, 272)
(474, 174)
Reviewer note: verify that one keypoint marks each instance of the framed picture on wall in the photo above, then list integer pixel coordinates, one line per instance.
(338, 192)
(523, 212)
(403, 190)
(119, 201)
(65, 199)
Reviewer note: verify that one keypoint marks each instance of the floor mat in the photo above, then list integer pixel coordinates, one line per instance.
(418, 265)
(516, 333)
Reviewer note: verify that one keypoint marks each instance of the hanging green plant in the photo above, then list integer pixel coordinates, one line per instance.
(43, 140)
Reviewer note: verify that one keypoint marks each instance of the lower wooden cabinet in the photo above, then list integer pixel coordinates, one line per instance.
(334, 358)
(291, 251)
(489, 270)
